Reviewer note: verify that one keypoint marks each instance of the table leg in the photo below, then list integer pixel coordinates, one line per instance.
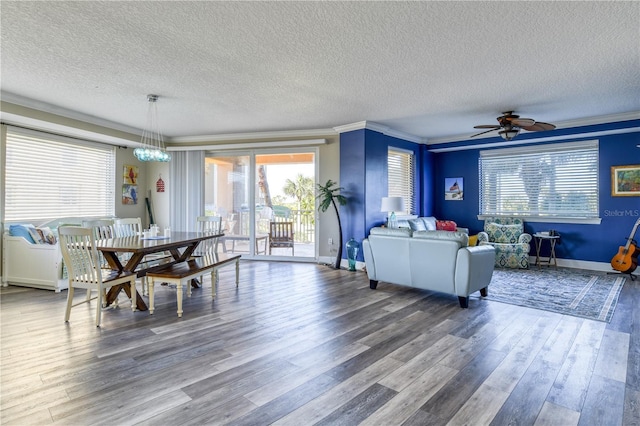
(113, 292)
(538, 244)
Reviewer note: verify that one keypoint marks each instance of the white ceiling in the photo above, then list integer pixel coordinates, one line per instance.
(429, 69)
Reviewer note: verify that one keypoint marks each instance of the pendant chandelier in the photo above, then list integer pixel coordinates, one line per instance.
(152, 148)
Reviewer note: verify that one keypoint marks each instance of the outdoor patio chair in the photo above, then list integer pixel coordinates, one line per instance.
(281, 235)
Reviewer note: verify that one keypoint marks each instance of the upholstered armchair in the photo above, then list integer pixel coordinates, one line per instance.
(507, 235)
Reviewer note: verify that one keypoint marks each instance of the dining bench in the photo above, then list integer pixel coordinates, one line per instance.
(183, 272)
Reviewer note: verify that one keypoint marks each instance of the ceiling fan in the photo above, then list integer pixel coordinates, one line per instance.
(511, 124)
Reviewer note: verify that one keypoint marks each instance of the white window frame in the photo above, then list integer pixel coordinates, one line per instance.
(564, 172)
(401, 176)
(50, 176)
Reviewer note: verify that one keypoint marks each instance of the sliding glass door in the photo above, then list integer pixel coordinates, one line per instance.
(280, 222)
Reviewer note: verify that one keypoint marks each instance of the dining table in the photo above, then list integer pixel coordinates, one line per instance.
(127, 254)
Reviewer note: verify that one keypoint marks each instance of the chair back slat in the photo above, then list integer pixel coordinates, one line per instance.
(102, 228)
(281, 236)
(210, 225)
(80, 254)
(281, 231)
(128, 227)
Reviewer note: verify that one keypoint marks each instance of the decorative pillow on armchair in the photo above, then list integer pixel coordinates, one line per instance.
(504, 234)
(446, 225)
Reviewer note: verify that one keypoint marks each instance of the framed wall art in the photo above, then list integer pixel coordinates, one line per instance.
(130, 175)
(625, 181)
(453, 189)
(129, 194)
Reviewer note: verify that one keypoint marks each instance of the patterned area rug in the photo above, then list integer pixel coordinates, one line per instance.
(575, 292)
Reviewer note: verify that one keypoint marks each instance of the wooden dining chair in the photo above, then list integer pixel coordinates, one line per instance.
(132, 226)
(208, 225)
(281, 235)
(102, 230)
(127, 227)
(83, 269)
(209, 247)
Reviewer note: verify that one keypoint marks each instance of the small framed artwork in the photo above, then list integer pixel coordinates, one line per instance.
(625, 181)
(129, 194)
(130, 175)
(453, 189)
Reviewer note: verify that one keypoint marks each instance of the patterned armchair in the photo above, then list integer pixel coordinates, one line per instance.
(507, 235)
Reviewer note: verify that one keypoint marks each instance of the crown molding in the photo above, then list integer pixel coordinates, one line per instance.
(380, 128)
(283, 134)
(249, 145)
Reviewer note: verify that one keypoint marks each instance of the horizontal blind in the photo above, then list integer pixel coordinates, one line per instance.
(49, 176)
(545, 181)
(401, 177)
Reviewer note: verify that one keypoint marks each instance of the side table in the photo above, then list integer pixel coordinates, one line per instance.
(553, 239)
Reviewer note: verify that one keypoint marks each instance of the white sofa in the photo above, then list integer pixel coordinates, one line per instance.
(32, 265)
(27, 264)
(431, 260)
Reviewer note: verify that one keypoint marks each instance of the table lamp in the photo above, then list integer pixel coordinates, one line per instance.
(393, 205)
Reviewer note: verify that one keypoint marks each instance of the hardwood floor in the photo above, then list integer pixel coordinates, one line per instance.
(301, 344)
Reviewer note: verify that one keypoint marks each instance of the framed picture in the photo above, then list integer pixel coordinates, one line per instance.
(453, 189)
(130, 175)
(625, 181)
(129, 194)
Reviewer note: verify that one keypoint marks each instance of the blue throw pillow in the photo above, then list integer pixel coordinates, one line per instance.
(21, 231)
(417, 225)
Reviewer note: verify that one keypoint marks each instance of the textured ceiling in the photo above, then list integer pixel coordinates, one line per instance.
(430, 69)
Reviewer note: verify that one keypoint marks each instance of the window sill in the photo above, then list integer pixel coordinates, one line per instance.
(575, 220)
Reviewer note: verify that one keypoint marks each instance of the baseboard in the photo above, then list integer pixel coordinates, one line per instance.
(565, 263)
(344, 263)
(578, 264)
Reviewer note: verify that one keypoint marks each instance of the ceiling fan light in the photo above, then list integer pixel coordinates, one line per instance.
(509, 134)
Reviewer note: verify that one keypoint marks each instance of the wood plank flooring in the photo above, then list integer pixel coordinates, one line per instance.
(301, 344)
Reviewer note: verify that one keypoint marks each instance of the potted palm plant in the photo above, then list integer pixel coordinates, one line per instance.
(328, 195)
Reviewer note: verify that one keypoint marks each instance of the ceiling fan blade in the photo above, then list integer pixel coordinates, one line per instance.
(486, 126)
(522, 122)
(482, 133)
(539, 127)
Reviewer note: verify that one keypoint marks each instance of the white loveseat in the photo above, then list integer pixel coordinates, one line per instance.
(431, 260)
(29, 263)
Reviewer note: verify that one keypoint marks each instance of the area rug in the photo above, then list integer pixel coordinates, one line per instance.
(575, 292)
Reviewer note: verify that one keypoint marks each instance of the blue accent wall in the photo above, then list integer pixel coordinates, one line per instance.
(363, 175)
(352, 180)
(364, 179)
(598, 243)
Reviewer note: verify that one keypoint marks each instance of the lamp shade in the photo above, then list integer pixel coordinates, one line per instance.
(392, 204)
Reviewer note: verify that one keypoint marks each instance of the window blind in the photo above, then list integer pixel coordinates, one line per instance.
(49, 176)
(559, 180)
(400, 166)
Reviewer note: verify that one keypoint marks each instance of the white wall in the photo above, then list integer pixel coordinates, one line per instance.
(124, 156)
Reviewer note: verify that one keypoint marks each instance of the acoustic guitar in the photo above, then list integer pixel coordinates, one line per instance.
(626, 260)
